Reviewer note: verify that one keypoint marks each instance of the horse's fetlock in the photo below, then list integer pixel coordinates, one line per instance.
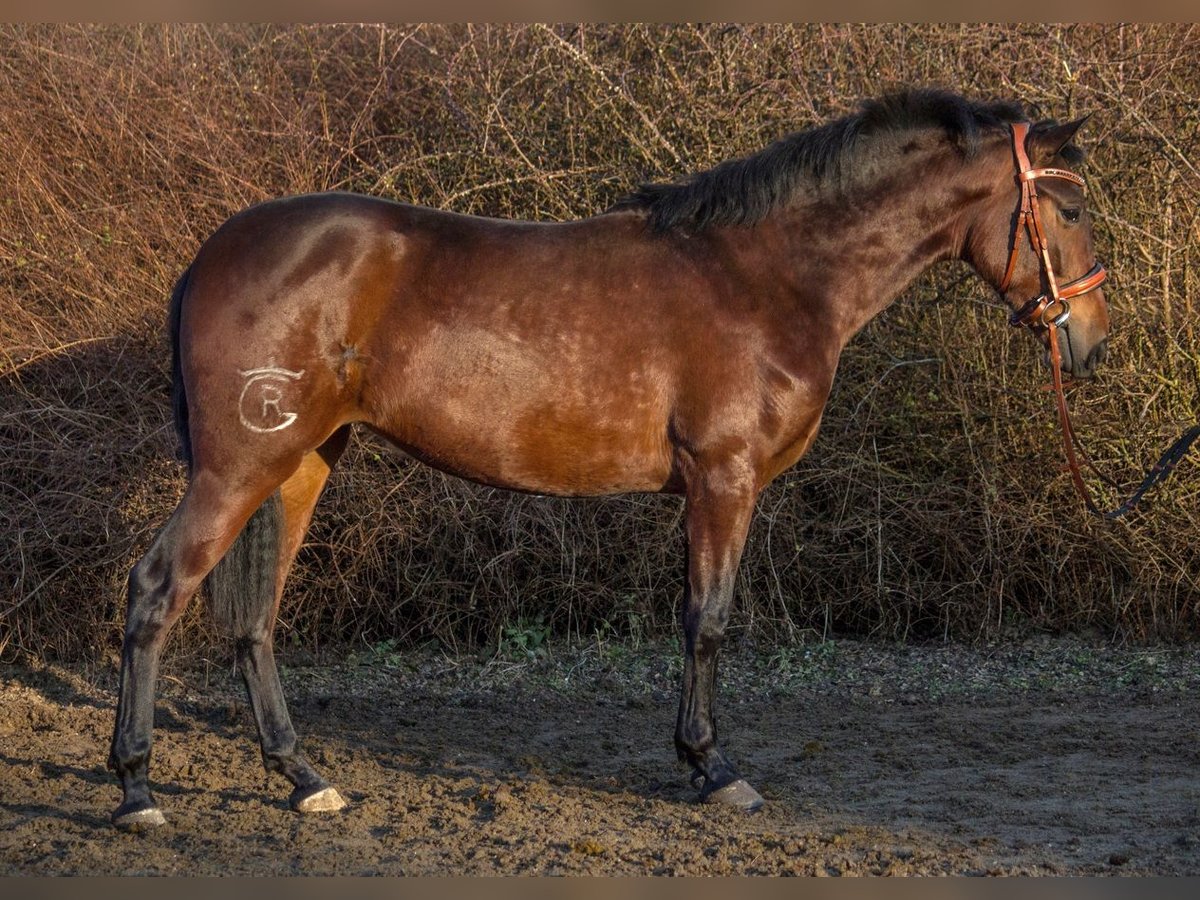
(125, 761)
(695, 739)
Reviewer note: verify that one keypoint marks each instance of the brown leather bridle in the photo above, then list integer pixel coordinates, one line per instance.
(1035, 312)
(1051, 309)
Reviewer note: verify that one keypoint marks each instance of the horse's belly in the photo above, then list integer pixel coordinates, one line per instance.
(540, 451)
(514, 418)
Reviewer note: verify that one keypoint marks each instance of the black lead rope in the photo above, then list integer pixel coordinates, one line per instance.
(1159, 471)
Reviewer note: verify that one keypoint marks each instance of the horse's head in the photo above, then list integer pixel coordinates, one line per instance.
(1047, 270)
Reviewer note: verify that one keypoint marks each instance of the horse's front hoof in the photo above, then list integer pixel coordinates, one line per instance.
(737, 794)
(324, 799)
(139, 819)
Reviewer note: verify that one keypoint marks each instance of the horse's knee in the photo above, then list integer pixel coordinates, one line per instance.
(705, 629)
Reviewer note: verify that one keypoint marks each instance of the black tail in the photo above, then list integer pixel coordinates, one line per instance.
(178, 397)
(241, 588)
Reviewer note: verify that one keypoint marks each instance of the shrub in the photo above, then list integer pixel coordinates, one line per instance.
(931, 503)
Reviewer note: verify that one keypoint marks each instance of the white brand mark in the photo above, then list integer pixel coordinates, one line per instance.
(259, 403)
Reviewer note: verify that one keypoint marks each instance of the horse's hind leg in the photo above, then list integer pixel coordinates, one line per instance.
(205, 523)
(720, 502)
(254, 639)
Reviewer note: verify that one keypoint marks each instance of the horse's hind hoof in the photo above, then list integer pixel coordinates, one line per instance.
(326, 799)
(138, 819)
(737, 794)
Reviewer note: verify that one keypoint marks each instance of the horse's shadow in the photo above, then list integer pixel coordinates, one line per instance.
(53, 686)
(613, 745)
(96, 777)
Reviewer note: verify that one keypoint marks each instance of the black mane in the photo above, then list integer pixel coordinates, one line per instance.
(744, 191)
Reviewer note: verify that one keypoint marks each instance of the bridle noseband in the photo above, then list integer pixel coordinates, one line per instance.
(1036, 313)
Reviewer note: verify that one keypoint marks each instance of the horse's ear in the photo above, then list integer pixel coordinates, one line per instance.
(1049, 142)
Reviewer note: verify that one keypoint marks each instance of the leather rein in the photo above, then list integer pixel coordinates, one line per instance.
(1051, 310)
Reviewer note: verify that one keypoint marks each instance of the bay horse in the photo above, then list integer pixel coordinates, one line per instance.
(683, 341)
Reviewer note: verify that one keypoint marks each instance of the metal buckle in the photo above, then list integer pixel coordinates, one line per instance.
(1062, 317)
(1034, 313)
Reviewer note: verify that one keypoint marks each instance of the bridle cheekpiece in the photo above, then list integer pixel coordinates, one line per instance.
(1051, 308)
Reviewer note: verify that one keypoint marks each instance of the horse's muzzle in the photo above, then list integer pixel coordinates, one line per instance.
(1081, 368)
(1098, 355)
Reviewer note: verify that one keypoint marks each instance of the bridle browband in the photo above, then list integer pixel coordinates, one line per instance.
(1051, 309)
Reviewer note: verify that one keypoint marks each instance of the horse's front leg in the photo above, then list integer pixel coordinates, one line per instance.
(720, 502)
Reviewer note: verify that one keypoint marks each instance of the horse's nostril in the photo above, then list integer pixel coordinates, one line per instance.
(1099, 354)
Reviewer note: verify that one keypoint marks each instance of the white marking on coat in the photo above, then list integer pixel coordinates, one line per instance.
(259, 405)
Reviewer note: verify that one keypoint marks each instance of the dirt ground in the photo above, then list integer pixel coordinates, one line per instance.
(1052, 757)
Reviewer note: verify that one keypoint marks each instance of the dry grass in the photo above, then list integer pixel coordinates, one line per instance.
(930, 504)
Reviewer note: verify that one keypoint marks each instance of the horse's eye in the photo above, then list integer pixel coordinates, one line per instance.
(1071, 214)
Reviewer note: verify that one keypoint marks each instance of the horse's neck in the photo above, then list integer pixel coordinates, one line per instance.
(858, 253)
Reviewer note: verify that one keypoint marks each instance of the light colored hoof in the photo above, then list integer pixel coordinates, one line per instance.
(737, 794)
(325, 800)
(140, 819)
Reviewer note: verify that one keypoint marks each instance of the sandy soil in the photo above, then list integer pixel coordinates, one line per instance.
(1054, 757)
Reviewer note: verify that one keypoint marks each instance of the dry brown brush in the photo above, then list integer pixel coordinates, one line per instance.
(931, 504)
